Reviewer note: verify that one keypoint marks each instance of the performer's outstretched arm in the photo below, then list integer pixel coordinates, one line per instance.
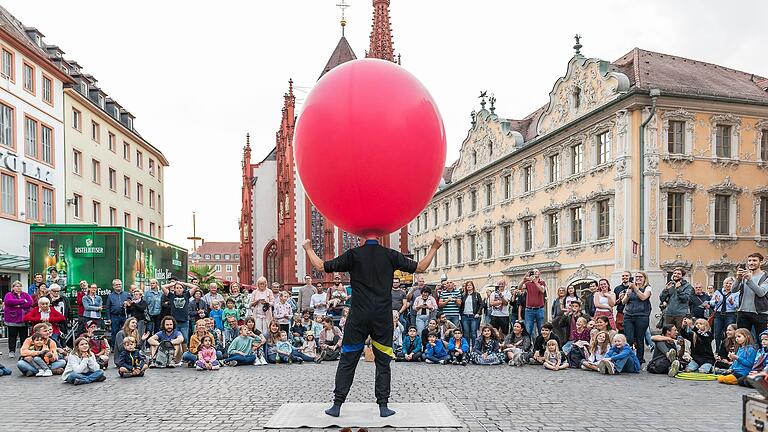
(315, 260)
(424, 263)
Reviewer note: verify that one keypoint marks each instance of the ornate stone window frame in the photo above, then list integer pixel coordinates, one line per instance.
(734, 122)
(501, 224)
(687, 188)
(527, 216)
(761, 128)
(605, 126)
(592, 200)
(689, 118)
(566, 224)
(724, 265)
(527, 165)
(489, 188)
(556, 152)
(726, 187)
(669, 265)
(759, 193)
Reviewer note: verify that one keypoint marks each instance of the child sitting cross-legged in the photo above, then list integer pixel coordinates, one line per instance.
(598, 348)
(131, 363)
(309, 347)
(458, 348)
(487, 350)
(287, 353)
(411, 351)
(620, 358)
(554, 359)
(743, 359)
(82, 367)
(435, 351)
(297, 331)
(700, 336)
(206, 355)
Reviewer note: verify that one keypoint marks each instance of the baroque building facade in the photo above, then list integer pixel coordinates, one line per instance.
(646, 163)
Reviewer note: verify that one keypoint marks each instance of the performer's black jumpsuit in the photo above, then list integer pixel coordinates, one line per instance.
(371, 268)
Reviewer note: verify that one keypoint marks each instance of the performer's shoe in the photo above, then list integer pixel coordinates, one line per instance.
(334, 411)
(384, 411)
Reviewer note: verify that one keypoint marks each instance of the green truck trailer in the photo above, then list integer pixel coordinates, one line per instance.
(67, 254)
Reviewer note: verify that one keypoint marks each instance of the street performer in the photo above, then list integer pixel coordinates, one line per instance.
(371, 267)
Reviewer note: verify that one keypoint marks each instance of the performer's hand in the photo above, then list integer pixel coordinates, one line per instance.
(307, 244)
(437, 242)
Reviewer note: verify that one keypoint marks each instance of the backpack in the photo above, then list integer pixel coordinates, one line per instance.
(164, 355)
(575, 357)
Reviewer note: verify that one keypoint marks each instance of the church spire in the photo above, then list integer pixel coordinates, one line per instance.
(381, 33)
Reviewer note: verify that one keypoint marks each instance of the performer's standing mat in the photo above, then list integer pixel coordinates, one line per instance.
(409, 415)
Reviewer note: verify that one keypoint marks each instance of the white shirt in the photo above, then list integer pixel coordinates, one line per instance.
(501, 310)
(316, 302)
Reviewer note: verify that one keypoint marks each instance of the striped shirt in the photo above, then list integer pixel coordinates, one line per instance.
(452, 308)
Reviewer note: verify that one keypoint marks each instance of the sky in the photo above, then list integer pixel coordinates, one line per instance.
(200, 75)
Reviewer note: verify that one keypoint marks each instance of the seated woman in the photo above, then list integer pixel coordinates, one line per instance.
(602, 323)
(270, 342)
(44, 349)
(701, 345)
(330, 341)
(554, 359)
(487, 350)
(517, 344)
(411, 351)
(667, 352)
(743, 360)
(239, 352)
(458, 348)
(130, 329)
(620, 358)
(727, 346)
(195, 342)
(430, 328)
(44, 313)
(131, 362)
(598, 348)
(82, 367)
(435, 351)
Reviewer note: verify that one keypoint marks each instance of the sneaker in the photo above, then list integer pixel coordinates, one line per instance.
(11, 354)
(584, 367)
(463, 362)
(511, 362)
(215, 367)
(78, 381)
(101, 378)
(442, 362)
(672, 355)
(47, 373)
(198, 368)
(603, 367)
(231, 363)
(674, 368)
(180, 364)
(611, 369)
(428, 361)
(40, 373)
(263, 361)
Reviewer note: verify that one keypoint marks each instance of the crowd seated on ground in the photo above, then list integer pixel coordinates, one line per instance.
(604, 330)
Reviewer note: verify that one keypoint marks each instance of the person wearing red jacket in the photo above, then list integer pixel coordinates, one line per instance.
(44, 313)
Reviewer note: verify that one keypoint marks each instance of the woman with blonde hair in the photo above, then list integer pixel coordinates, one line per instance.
(637, 312)
(261, 301)
(130, 329)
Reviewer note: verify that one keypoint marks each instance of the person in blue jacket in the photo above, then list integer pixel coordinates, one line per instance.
(435, 351)
(411, 351)
(458, 348)
(620, 358)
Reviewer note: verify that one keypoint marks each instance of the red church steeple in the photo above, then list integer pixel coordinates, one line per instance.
(381, 46)
(246, 230)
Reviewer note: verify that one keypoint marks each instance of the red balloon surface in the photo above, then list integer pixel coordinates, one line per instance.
(370, 147)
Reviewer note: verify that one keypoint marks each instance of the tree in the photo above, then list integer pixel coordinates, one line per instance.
(204, 275)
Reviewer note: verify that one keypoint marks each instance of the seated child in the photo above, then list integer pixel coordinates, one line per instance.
(727, 346)
(458, 348)
(343, 320)
(435, 352)
(487, 350)
(287, 353)
(42, 357)
(701, 339)
(743, 360)
(597, 351)
(4, 370)
(82, 367)
(131, 363)
(554, 359)
(297, 331)
(536, 356)
(620, 358)
(309, 347)
(411, 351)
(206, 355)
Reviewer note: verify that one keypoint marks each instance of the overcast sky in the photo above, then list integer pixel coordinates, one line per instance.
(199, 75)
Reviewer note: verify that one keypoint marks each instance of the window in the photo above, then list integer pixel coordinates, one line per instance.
(459, 251)
(47, 205)
(507, 238)
(459, 206)
(474, 157)
(473, 201)
(472, 247)
(228, 267)
(418, 218)
(151, 199)
(577, 220)
(528, 235)
(47, 90)
(46, 144)
(77, 162)
(140, 193)
(488, 194)
(488, 244)
(676, 137)
(152, 167)
(722, 214)
(764, 145)
(603, 148)
(217, 256)
(218, 267)
(126, 151)
(577, 158)
(723, 141)
(554, 229)
(7, 194)
(447, 211)
(434, 216)
(554, 168)
(139, 224)
(28, 76)
(127, 220)
(603, 219)
(159, 173)
(507, 185)
(675, 212)
(490, 148)
(229, 278)
(127, 186)
(527, 179)
(159, 204)
(96, 168)
(77, 206)
(8, 65)
(30, 138)
(112, 216)
(95, 131)
(111, 140)
(139, 160)
(77, 120)
(447, 256)
(227, 257)
(719, 279)
(207, 256)
(6, 126)
(96, 213)
(764, 216)
(152, 229)
(112, 180)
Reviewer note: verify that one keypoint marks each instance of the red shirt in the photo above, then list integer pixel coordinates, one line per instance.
(80, 309)
(534, 298)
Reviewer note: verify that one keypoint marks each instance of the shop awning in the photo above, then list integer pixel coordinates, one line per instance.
(547, 266)
(14, 262)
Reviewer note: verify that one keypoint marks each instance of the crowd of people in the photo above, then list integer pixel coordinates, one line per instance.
(719, 331)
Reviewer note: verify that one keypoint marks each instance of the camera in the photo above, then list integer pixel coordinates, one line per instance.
(530, 273)
(741, 267)
(265, 307)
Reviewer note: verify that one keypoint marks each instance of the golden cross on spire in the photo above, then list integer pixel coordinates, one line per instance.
(343, 6)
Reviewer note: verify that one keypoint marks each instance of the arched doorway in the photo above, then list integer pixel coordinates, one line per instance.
(271, 264)
(581, 285)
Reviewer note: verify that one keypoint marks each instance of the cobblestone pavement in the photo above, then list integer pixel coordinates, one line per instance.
(489, 398)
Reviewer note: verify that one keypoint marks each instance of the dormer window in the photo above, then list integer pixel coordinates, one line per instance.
(116, 112)
(129, 122)
(83, 88)
(101, 101)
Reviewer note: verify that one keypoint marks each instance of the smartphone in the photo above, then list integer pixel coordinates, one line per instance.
(741, 267)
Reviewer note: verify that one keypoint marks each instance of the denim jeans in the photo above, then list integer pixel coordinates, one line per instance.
(85, 378)
(26, 368)
(183, 327)
(437, 359)
(421, 322)
(624, 365)
(4, 371)
(117, 325)
(188, 358)
(634, 329)
(469, 326)
(298, 355)
(534, 316)
(455, 319)
(695, 367)
(241, 359)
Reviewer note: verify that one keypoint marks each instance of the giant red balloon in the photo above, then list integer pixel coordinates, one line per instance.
(370, 147)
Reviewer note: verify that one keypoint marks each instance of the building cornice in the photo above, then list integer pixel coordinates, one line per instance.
(44, 62)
